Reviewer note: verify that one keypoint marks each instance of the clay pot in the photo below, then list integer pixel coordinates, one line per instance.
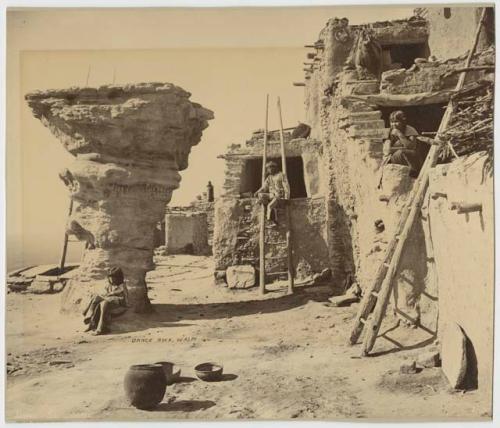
(145, 385)
(172, 372)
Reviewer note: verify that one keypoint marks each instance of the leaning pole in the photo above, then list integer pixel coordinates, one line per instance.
(129, 144)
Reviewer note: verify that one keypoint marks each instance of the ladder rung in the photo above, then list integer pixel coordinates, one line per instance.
(362, 321)
(277, 273)
(386, 264)
(241, 238)
(374, 294)
(275, 242)
(74, 240)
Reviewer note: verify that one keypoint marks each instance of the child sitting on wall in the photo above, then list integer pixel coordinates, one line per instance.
(401, 147)
(274, 189)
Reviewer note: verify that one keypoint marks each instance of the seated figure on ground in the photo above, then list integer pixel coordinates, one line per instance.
(401, 147)
(101, 307)
(274, 189)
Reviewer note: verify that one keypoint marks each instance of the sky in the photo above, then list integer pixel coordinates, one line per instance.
(229, 59)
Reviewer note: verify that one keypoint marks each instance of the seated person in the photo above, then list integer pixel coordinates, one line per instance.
(99, 309)
(401, 147)
(274, 189)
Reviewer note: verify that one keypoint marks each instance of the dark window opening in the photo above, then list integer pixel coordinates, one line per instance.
(252, 176)
(424, 118)
(447, 12)
(403, 56)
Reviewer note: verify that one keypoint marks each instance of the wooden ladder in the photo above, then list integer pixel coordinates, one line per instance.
(376, 298)
(286, 208)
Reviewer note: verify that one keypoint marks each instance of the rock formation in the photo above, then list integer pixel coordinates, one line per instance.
(129, 143)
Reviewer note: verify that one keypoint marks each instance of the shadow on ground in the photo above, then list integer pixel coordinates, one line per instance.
(174, 315)
(185, 406)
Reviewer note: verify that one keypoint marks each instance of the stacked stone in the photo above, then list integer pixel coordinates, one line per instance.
(232, 177)
(129, 143)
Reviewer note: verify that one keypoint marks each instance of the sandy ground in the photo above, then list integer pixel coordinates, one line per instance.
(283, 356)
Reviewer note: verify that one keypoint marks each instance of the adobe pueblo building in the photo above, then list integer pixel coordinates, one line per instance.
(347, 201)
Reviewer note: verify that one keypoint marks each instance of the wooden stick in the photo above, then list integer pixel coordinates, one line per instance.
(262, 234)
(474, 68)
(88, 76)
(264, 153)
(282, 142)
(262, 250)
(66, 237)
(287, 213)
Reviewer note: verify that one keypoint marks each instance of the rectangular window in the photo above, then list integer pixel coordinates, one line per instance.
(252, 176)
(403, 55)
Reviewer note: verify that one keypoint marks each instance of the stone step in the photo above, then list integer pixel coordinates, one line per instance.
(370, 133)
(365, 115)
(368, 124)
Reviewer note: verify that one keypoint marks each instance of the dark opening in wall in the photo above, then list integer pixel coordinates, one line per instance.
(403, 56)
(447, 12)
(424, 118)
(252, 176)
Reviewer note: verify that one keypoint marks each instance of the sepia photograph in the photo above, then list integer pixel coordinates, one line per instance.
(250, 213)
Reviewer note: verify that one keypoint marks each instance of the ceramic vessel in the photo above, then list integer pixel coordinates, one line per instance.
(172, 372)
(145, 385)
(209, 372)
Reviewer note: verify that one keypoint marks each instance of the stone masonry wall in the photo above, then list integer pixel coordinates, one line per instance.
(236, 237)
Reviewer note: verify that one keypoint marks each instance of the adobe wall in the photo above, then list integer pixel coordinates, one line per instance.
(464, 254)
(451, 37)
(352, 132)
(186, 233)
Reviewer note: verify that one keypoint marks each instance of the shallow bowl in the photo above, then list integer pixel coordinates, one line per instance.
(208, 371)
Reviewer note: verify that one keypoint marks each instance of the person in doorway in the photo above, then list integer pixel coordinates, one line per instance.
(100, 307)
(274, 189)
(401, 147)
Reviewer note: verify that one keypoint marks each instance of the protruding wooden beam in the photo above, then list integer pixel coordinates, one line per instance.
(299, 84)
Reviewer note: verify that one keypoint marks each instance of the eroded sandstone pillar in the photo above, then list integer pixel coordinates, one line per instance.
(129, 143)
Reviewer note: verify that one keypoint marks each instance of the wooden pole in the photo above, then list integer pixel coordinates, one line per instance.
(262, 234)
(264, 149)
(65, 245)
(287, 212)
(373, 325)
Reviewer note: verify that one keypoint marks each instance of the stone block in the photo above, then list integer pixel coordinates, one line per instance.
(453, 354)
(240, 277)
(365, 115)
(366, 88)
(408, 368)
(370, 133)
(343, 300)
(368, 124)
(429, 359)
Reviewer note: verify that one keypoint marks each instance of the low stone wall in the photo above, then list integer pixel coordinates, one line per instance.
(464, 254)
(186, 233)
